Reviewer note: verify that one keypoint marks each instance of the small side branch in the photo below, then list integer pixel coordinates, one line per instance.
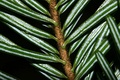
(60, 40)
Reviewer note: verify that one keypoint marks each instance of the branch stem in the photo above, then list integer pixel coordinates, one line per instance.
(60, 40)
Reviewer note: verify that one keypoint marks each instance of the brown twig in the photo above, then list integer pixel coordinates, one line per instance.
(60, 40)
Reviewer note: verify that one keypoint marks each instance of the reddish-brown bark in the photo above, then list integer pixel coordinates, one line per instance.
(60, 40)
